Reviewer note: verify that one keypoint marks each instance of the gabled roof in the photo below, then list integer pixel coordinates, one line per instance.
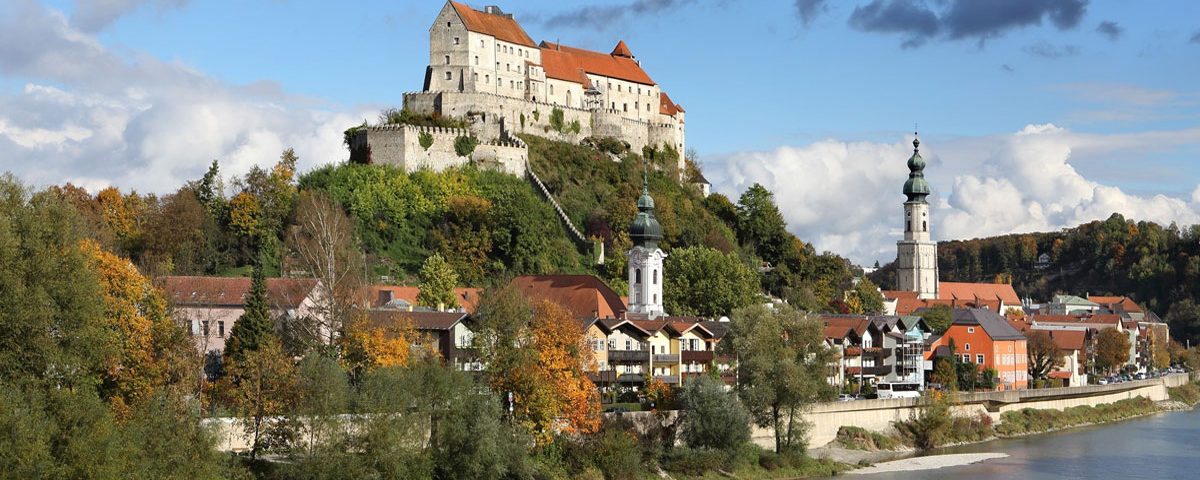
(468, 298)
(621, 50)
(839, 326)
(1074, 300)
(1068, 339)
(503, 27)
(1116, 303)
(421, 320)
(978, 291)
(666, 106)
(584, 296)
(286, 293)
(568, 63)
(993, 324)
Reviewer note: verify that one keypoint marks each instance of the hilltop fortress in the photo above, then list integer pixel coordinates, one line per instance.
(484, 69)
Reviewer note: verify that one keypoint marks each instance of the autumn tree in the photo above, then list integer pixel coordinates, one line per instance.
(705, 282)
(465, 237)
(938, 317)
(1112, 349)
(782, 366)
(322, 239)
(867, 297)
(387, 343)
(1044, 354)
(181, 238)
(437, 283)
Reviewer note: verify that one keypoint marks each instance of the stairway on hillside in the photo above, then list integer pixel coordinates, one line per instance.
(596, 248)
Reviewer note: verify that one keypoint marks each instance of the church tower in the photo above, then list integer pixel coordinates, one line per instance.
(916, 259)
(646, 259)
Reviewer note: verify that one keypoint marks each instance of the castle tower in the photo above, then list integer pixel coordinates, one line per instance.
(916, 254)
(646, 259)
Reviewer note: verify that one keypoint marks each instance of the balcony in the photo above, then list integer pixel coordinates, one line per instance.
(604, 376)
(668, 379)
(629, 356)
(697, 356)
(877, 370)
(631, 378)
(666, 358)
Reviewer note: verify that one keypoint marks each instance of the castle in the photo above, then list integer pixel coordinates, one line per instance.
(485, 69)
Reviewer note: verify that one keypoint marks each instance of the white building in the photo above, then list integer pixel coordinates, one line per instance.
(916, 260)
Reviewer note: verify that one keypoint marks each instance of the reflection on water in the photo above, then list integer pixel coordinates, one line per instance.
(1162, 446)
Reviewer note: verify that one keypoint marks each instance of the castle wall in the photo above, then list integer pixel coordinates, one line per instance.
(400, 145)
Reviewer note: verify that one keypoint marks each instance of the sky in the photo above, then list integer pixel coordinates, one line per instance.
(1034, 115)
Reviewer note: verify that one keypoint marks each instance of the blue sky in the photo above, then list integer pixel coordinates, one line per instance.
(1008, 96)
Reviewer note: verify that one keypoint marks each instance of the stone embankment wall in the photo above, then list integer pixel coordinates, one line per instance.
(400, 145)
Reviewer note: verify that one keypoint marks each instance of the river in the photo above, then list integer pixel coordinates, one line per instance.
(1160, 446)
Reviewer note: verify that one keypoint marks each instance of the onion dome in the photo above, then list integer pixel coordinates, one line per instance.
(916, 188)
(645, 230)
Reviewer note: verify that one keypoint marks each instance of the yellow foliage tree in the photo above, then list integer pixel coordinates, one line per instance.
(148, 351)
(245, 214)
(389, 344)
(561, 388)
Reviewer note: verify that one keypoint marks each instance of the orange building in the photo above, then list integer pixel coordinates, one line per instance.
(985, 338)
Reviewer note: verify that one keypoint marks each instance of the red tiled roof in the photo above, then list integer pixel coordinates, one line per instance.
(621, 50)
(666, 106)
(1116, 303)
(1068, 339)
(584, 296)
(1059, 374)
(838, 326)
(981, 291)
(568, 63)
(231, 291)
(468, 298)
(502, 27)
(897, 294)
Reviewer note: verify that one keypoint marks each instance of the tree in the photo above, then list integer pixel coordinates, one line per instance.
(150, 352)
(437, 283)
(705, 282)
(1112, 349)
(760, 224)
(945, 373)
(938, 317)
(254, 328)
(1184, 320)
(369, 346)
(927, 425)
(782, 364)
(1044, 354)
(260, 387)
(868, 297)
(323, 241)
(464, 145)
(323, 396)
(712, 417)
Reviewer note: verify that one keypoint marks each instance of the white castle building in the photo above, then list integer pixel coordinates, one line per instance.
(483, 67)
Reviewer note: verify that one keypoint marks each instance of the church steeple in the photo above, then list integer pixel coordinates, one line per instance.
(916, 254)
(645, 258)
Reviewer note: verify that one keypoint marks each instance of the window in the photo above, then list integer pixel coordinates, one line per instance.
(639, 90)
(967, 347)
(628, 344)
(618, 87)
(204, 328)
(552, 89)
(221, 329)
(475, 77)
(456, 42)
(970, 329)
(967, 358)
(625, 107)
(654, 298)
(637, 276)
(654, 275)
(481, 42)
(447, 24)
(447, 59)
(477, 59)
(487, 79)
(449, 76)
(635, 105)
(979, 359)
(924, 226)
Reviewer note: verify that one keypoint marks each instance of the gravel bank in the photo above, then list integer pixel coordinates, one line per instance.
(927, 463)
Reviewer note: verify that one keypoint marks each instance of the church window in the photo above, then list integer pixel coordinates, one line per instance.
(924, 226)
(447, 59)
(552, 89)
(637, 276)
(456, 41)
(655, 297)
(655, 277)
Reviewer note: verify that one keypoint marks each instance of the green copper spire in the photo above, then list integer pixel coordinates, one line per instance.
(916, 188)
(645, 230)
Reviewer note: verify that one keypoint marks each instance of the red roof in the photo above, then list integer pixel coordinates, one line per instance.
(621, 50)
(231, 291)
(468, 298)
(585, 296)
(503, 27)
(420, 320)
(1116, 303)
(1068, 339)
(1059, 374)
(569, 63)
(666, 106)
(978, 291)
(838, 327)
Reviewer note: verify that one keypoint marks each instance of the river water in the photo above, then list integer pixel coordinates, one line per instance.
(1161, 446)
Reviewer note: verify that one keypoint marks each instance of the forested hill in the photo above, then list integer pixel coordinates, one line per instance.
(488, 226)
(1157, 266)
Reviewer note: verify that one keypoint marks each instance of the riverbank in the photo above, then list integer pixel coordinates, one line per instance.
(1021, 423)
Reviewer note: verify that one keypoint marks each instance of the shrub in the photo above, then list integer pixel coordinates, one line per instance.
(556, 120)
(614, 451)
(712, 417)
(575, 127)
(1031, 420)
(695, 461)
(425, 139)
(464, 145)
(926, 427)
(1189, 394)
(857, 438)
(537, 115)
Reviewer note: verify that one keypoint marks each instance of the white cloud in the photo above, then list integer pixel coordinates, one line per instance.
(89, 116)
(845, 196)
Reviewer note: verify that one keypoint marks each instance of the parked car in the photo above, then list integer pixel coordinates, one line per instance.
(845, 397)
(1102, 381)
(1139, 376)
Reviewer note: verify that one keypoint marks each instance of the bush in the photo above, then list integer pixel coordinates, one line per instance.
(1031, 420)
(614, 451)
(926, 427)
(695, 461)
(394, 116)
(712, 417)
(857, 438)
(556, 120)
(464, 145)
(575, 127)
(425, 139)
(1189, 394)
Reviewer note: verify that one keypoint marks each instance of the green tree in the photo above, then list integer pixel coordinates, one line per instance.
(1184, 320)
(260, 388)
(868, 297)
(938, 317)
(782, 363)
(761, 226)
(438, 281)
(945, 373)
(464, 145)
(705, 282)
(255, 327)
(927, 426)
(712, 417)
